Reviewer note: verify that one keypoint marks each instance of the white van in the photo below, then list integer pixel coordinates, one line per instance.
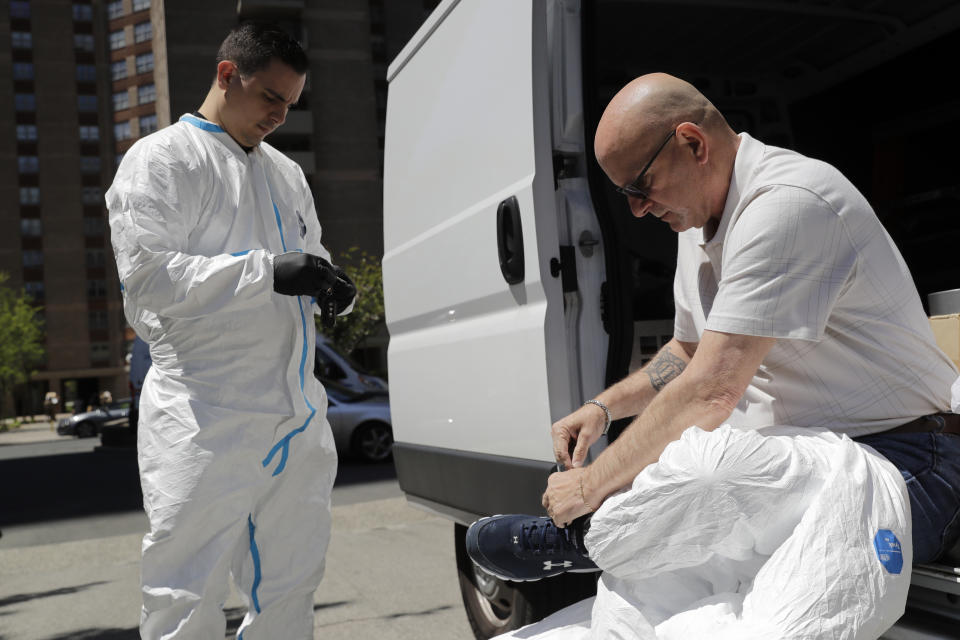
(516, 283)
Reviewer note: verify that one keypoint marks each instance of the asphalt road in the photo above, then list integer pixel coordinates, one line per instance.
(69, 556)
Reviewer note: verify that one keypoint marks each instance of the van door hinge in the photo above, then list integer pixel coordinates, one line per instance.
(564, 166)
(566, 267)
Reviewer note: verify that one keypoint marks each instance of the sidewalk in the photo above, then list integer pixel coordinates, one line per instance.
(390, 574)
(29, 432)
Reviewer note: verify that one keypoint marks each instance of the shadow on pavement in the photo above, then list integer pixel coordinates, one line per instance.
(72, 485)
(100, 634)
(425, 612)
(106, 481)
(351, 472)
(26, 597)
(235, 615)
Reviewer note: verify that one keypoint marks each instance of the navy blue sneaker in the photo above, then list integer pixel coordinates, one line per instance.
(523, 548)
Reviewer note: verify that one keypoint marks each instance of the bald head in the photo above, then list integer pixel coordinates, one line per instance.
(658, 116)
(646, 109)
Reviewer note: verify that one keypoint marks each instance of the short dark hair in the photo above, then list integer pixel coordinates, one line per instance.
(252, 45)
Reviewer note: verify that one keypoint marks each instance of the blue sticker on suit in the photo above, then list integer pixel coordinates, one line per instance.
(889, 551)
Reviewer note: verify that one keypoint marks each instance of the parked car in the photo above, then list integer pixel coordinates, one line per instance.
(361, 424)
(339, 371)
(89, 423)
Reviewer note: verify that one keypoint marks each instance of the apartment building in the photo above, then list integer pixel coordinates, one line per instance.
(55, 159)
(90, 77)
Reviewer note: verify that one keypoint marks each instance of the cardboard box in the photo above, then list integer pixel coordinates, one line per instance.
(946, 330)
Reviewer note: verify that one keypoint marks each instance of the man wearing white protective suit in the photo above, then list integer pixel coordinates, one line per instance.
(218, 250)
(793, 307)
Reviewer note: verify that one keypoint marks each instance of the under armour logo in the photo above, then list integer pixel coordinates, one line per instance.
(549, 564)
(516, 539)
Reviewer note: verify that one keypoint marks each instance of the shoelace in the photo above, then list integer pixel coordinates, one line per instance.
(545, 538)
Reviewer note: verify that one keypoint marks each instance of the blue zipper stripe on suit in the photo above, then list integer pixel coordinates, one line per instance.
(284, 444)
(276, 212)
(255, 553)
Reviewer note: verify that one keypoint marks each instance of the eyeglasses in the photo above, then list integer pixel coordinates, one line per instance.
(633, 189)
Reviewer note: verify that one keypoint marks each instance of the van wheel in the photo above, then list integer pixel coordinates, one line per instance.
(373, 441)
(494, 606)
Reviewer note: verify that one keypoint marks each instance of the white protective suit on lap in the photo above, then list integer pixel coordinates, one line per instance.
(746, 535)
(236, 456)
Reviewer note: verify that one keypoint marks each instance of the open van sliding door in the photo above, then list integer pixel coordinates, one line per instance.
(478, 359)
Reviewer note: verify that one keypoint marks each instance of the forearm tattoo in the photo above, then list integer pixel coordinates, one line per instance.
(664, 368)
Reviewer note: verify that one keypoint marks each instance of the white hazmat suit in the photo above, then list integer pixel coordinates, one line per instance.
(236, 456)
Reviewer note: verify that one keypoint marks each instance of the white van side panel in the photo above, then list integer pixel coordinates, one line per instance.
(468, 126)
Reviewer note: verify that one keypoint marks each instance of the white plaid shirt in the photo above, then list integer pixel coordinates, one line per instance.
(799, 255)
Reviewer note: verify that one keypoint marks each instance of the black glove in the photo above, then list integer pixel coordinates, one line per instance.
(344, 290)
(303, 274)
(339, 299)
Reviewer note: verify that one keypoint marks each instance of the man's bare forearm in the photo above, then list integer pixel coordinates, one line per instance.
(664, 368)
(630, 396)
(704, 395)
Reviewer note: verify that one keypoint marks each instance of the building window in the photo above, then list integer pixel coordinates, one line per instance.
(33, 258)
(19, 9)
(96, 289)
(34, 289)
(145, 62)
(142, 32)
(89, 164)
(22, 71)
(29, 195)
(117, 40)
(146, 93)
(115, 9)
(89, 133)
(96, 258)
(82, 13)
(121, 130)
(98, 319)
(148, 124)
(28, 164)
(83, 42)
(118, 70)
(121, 100)
(93, 227)
(25, 102)
(26, 132)
(92, 195)
(87, 104)
(141, 5)
(22, 40)
(86, 73)
(99, 351)
(32, 227)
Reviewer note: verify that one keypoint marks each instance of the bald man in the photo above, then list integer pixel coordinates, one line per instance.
(793, 307)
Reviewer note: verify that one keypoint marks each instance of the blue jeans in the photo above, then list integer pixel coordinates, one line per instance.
(930, 464)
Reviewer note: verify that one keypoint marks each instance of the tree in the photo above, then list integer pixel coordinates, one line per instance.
(364, 270)
(21, 338)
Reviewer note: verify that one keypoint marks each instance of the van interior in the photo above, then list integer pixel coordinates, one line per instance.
(869, 87)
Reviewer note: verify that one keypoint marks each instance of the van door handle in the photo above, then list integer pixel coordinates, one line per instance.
(510, 240)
